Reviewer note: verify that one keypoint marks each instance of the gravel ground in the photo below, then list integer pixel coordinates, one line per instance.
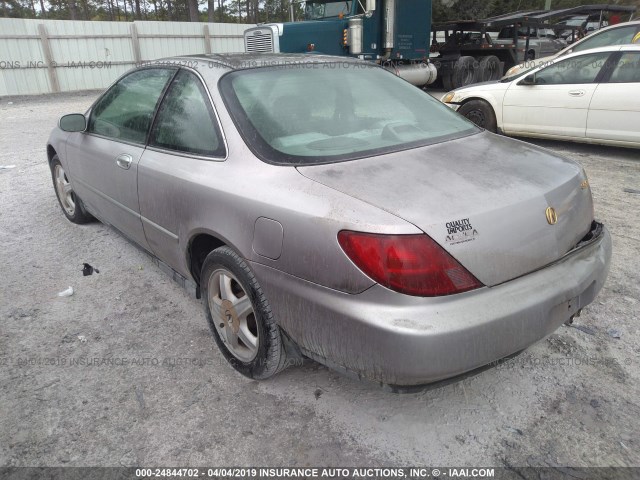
(167, 397)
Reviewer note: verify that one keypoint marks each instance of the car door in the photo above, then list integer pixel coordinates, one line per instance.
(614, 113)
(103, 160)
(557, 103)
(184, 157)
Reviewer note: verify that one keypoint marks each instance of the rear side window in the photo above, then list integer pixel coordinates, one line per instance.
(126, 110)
(582, 69)
(185, 121)
(627, 69)
(606, 38)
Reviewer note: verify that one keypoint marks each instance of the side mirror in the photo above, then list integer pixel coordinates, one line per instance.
(74, 122)
(528, 80)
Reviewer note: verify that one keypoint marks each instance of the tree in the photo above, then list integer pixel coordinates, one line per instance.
(193, 11)
(73, 9)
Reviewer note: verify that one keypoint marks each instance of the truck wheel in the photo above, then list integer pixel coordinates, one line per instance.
(240, 316)
(465, 72)
(481, 113)
(447, 82)
(490, 68)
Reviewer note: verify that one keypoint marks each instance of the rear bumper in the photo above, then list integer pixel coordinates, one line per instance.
(401, 340)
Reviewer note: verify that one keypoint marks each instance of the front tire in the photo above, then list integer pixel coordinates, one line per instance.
(481, 113)
(240, 317)
(71, 205)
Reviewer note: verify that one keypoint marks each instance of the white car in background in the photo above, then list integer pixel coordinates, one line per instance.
(591, 97)
(619, 34)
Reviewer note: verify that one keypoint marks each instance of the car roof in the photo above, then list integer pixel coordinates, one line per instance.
(600, 31)
(610, 48)
(240, 61)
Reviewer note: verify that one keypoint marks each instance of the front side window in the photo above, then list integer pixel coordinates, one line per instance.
(126, 110)
(627, 69)
(583, 69)
(185, 121)
(324, 112)
(606, 38)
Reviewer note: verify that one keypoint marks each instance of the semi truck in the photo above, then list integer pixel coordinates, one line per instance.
(399, 35)
(394, 33)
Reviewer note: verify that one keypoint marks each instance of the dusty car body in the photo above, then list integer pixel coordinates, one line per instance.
(439, 251)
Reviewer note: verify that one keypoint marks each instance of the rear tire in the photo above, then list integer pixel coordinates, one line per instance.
(240, 317)
(489, 68)
(71, 204)
(465, 72)
(481, 113)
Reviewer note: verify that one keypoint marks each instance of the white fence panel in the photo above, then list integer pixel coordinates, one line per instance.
(43, 56)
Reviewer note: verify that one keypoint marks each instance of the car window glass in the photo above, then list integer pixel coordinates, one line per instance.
(321, 113)
(627, 69)
(126, 110)
(583, 69)
(615, 36)
(185, 120)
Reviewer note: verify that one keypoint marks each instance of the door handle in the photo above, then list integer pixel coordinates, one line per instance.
(124, 161)
(576, 93)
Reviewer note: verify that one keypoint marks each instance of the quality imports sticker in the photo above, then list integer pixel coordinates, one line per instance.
(460, 231)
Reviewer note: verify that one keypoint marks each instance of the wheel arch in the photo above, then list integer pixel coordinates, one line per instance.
(51, 152)
(201, 243)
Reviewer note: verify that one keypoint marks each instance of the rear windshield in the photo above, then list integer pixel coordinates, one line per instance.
(322, 113)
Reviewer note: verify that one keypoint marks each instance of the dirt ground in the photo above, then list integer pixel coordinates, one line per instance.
(125, 371)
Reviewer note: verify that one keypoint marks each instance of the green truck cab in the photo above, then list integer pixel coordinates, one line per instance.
(394, 33)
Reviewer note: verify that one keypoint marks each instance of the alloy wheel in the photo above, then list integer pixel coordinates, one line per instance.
(233, 315)
(64, 190)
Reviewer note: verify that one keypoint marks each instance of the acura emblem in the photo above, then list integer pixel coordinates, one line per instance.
(552, 216)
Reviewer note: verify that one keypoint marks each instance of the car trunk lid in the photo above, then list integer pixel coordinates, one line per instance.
(484, 198)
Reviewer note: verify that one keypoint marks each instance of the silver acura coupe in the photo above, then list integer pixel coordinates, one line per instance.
(324, 206)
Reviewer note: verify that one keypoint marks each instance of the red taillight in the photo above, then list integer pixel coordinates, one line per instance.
(411, 264)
